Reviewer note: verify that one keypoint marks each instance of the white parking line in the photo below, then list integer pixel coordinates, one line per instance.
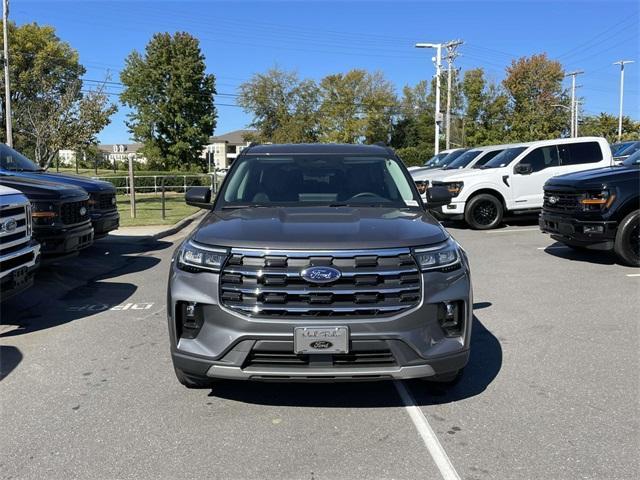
(633, 274)
(432, 443)
(513, 230)
(552, 248)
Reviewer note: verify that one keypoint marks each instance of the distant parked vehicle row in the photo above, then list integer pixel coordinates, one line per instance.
(65, 213)
(511, 182)
(622, 151)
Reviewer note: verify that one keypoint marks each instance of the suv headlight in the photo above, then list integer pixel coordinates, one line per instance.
(596, 200)
(43, 213)
(195, 258)
(447, 256)
(454, 187)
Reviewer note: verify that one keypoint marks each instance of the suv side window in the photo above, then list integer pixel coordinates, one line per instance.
(541, 158)
(580, 153)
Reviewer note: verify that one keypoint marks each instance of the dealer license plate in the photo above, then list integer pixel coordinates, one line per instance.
(321, 340)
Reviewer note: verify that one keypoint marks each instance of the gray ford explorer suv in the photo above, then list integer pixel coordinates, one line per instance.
(318, 262)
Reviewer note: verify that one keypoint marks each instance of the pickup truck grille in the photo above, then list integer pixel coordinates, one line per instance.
(104, 201)
(269, 283)
(15, 228)
(72, 212)
(561, 201)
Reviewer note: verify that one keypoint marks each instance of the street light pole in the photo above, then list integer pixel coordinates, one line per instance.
(438, 114)
(573, 99)
(451, 55)
(7, 87)
(621, 63)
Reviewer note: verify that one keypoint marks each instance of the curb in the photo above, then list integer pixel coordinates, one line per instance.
(178, 226)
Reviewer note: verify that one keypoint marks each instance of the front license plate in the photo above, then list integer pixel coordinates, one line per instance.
(321, 340)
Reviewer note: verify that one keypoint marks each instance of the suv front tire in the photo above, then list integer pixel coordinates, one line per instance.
(626, 246)
(484, 212)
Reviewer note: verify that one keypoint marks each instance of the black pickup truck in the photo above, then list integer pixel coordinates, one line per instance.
(596, 209)
(60, 213)
(102, 195)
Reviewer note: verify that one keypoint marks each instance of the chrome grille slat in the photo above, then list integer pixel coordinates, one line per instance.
(269, 283)
(13, 240)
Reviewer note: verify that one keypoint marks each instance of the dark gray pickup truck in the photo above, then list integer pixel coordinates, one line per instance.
(318, 263)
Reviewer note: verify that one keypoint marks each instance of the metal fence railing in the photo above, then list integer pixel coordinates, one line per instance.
(155, 183)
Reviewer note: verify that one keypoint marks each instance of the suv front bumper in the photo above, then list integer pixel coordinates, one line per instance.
(57, 240)
(228, 343)
(17, 270)
(104, 222)
(576, 232)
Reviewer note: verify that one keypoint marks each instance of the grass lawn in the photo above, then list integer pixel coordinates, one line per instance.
(105, 172)
(149, 209)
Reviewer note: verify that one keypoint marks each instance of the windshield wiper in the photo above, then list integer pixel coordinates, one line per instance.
(245, 205)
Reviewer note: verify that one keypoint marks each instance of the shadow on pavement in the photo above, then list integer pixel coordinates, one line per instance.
(600, 257)
(76, 287)
(10, 357)
(518, 221)
(485, 363)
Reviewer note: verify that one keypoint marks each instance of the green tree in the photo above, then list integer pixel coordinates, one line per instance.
(413, 126)
(534, 86)
(284, 108)
(51, 108)
(356, 106)
(486, 110)
(172, 100)
(606, 125)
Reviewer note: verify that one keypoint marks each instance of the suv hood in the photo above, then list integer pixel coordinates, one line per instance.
(439, 174)
(462, 174)
(340, 228)
(39, 190)
(424, 173)
(596, 177)
(91, 186)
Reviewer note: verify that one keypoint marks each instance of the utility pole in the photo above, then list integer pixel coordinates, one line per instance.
(576, 116)
(573, 99)
(7, 87)
(451, 55)
(438, 62)
(621, 63)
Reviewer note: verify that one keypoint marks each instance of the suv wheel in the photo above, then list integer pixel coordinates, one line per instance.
(627, 244)
(191, 381)
(484, 212)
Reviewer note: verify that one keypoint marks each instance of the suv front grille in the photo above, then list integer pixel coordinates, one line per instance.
(561, 201)
(17, 237)
(71, 212)
(269, 283)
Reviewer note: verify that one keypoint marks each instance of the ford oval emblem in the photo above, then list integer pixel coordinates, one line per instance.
(8, 225)
(321, 344)
(553, 200)
(83, 211)
(320, 274)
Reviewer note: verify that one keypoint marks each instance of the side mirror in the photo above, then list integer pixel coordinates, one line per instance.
(199, 197)
(438, 197)
(523, 169)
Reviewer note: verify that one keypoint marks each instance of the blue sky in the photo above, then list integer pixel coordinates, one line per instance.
(317, 38)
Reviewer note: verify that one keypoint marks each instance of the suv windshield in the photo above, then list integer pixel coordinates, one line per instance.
(632, 160)
(317, 180)
(463, 160)
(435, 160)
(16, 162)
(504, 158)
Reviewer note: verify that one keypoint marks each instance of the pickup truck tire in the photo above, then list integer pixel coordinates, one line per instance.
(484, 212)
(190, 381)
(627, 243)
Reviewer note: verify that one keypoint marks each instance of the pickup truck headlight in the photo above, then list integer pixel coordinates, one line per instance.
(595, 201)
(195, 258)
(43, 213)
(454, 187)
(447, 256)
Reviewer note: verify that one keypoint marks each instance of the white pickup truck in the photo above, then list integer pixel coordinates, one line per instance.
(512, 181)
(19, 253)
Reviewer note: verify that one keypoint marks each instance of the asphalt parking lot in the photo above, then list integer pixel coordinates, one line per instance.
(87, 388)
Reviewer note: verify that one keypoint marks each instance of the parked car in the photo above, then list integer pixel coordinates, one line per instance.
(19, 253)
(618, 147)
(625, 151)
(102, 195)
(318, 262)
(474, 158)
(512, 181)
(436, 159)
(439, 162)
(596, 209)
(60, 213)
